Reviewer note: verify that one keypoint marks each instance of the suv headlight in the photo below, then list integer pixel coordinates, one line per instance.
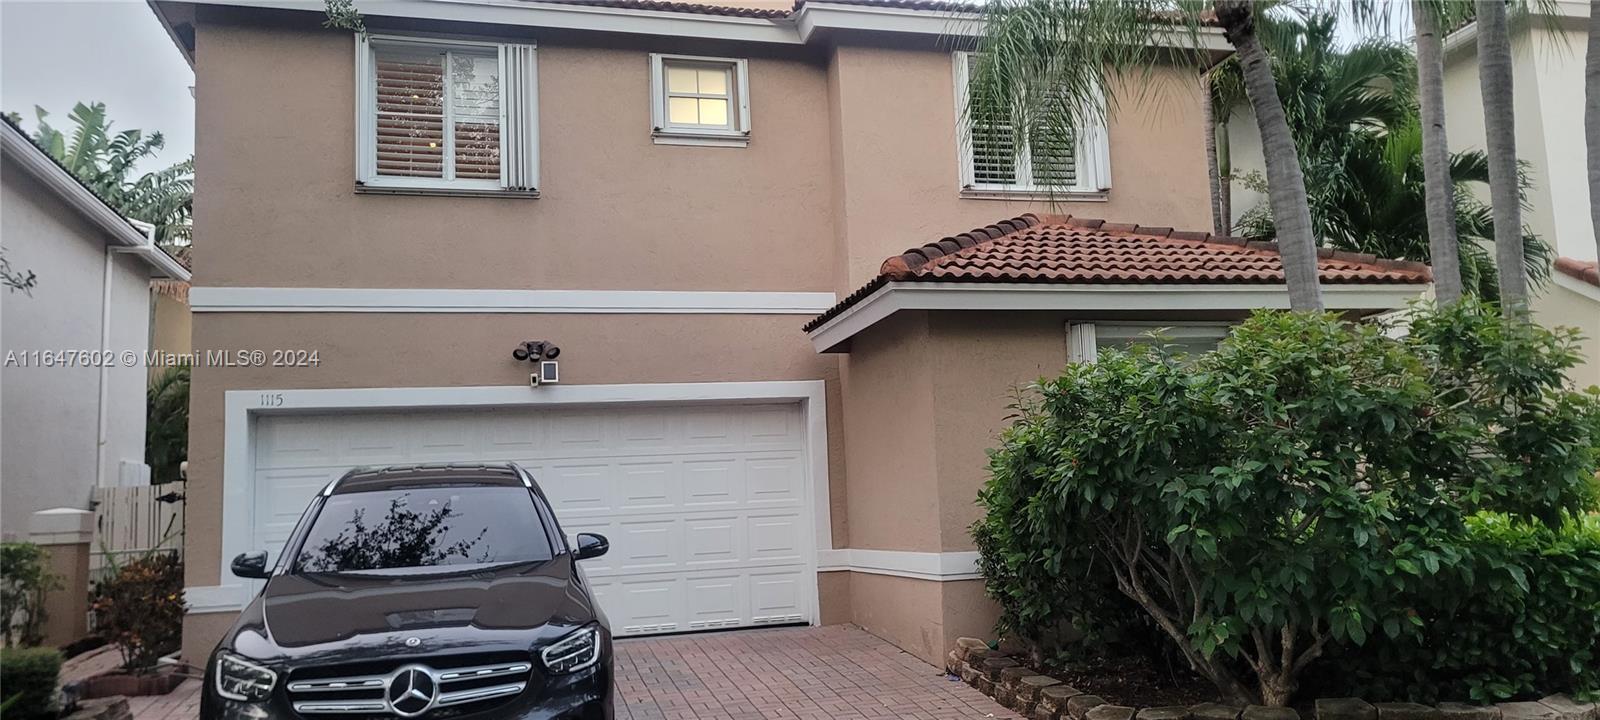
(576, 651)
(240, 679)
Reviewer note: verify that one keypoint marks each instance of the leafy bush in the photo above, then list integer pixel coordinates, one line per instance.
(25, 577)
(140, 608)
(1294, 491)
(28, 682)
(167, 424)
(1521, 616)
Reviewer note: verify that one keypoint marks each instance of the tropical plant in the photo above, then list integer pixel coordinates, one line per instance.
(1301, 488)
(105, 163)
(167, 424)
(140, 608)
(1047, 66)
(25, 579)
(1374, 203)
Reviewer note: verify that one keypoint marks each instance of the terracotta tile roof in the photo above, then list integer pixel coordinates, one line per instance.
(1588, 272)
(929, 5)
(1083, 251)
(774, 11)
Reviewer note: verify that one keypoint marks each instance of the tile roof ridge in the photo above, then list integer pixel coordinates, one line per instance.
(913, 259)
(1585, 270)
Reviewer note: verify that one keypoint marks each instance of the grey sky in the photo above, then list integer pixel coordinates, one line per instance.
(55, 53)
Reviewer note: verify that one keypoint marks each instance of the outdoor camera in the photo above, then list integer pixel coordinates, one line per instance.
(542, 353)
(536, 350)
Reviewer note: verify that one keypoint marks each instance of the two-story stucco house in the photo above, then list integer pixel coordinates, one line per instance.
(776, 412)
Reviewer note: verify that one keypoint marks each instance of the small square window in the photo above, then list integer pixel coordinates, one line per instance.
(699, 101)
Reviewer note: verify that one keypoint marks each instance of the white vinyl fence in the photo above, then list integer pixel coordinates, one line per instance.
(132, 521)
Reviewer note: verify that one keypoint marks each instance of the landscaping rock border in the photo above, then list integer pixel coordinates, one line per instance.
(1041, 697)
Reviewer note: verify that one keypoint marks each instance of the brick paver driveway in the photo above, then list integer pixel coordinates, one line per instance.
(838, 671)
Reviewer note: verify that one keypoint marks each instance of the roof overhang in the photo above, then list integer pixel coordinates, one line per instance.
(813, 20)
(123, 235)
(1559, 13)
(1576, 285)
(833, 335)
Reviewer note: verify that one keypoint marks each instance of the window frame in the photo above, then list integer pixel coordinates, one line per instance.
(367, 177)
(736, 134)
(1091, 154)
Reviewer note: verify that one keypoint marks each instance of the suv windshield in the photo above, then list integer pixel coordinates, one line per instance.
(422, 528)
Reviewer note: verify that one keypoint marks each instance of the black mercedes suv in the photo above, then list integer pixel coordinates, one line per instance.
(424, 591)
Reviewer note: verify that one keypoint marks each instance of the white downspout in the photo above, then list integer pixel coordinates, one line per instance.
(105, 347)
(105, 371)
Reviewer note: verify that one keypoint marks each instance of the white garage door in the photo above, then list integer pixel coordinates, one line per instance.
(706, 507)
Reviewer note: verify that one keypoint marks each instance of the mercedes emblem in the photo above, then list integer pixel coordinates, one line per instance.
(412, 691)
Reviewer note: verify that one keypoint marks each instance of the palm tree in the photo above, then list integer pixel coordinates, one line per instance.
(167, 423)
(1046, 66)
(1430, 19)
(1500, 130)
(1376, 207)
(105, 162)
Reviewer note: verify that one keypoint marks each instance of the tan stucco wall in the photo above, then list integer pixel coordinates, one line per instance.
(922, 617)
(1560, 306)
(171, 328)
(897, 179)
(616, 212)
(888, 423)
(983, 358)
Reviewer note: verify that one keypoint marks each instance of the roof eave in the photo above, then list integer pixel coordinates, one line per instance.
(129, 236)
(834, 334)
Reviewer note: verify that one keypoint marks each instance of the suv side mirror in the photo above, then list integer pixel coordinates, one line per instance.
(251, 565)
(591, 545)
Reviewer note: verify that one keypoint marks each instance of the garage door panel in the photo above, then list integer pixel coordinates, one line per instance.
(651, 486)
(777, 596)
(775, 538)
(705, 506)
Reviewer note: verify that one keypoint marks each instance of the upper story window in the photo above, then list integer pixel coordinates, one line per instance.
(1047, 161)
(699, 100)
(446, 115)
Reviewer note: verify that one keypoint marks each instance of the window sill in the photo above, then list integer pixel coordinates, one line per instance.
(673, 137)
(1019, 194)
(362, 189)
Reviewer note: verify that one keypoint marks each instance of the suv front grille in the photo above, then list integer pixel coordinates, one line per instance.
(437, 688)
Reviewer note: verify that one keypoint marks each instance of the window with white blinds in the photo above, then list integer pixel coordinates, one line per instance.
(447, 115)
(1048, 159)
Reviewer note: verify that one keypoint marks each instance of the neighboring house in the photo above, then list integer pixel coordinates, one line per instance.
(73, 417)
(170, 322)
(668, 192)
(1547, 73)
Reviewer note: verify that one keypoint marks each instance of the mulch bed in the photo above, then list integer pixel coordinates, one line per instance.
(1136, 682)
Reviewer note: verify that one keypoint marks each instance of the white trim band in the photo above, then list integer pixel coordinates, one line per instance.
(441, 300)
(1580, 287)
(935, 566)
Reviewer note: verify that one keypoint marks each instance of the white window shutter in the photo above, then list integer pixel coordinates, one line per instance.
(519, 123)
(1081, 343)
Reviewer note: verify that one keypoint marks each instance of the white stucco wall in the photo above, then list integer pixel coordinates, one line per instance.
(1547, 59)
(49, 416)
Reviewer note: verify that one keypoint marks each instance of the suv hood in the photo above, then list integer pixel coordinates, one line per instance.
(311, 609)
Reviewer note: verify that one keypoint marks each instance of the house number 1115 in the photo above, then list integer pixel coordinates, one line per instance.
(271, 400)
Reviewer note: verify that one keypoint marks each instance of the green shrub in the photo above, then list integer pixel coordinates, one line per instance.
(28, 682)
(1520, 616)
(25, 577)
(1294, 492)
(140, 608)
